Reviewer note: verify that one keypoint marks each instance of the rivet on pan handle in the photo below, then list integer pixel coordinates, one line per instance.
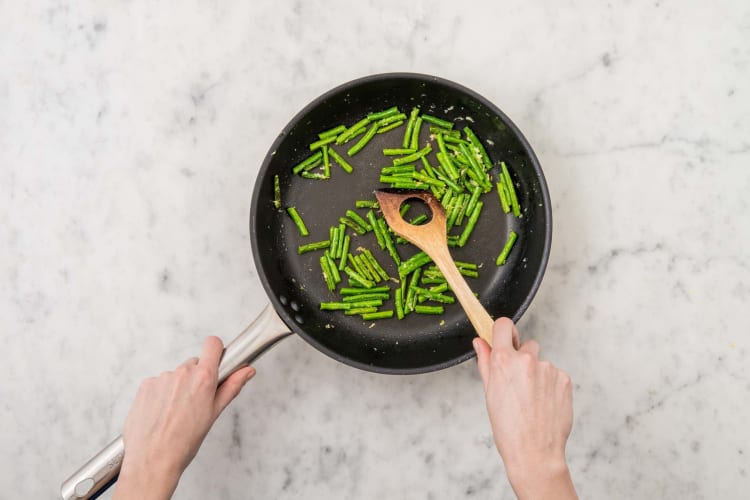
(102, 470)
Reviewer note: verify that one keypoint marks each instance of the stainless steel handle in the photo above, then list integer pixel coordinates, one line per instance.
(102, 470)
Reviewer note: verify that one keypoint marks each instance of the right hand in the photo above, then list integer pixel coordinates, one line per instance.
(530, 405)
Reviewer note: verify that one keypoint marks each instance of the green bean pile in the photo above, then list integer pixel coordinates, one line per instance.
(463, 173)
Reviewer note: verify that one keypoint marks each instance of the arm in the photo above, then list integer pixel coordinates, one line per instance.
(531, 412)
(168, 421)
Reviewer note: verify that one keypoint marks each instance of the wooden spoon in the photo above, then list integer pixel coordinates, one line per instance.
(431, 237)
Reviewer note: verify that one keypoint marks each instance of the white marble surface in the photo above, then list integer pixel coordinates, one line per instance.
(130, 137)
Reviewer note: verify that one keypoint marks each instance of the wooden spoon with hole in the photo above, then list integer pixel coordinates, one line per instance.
(432, 238)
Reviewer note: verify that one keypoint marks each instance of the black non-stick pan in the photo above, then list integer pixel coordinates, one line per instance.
(293, 283)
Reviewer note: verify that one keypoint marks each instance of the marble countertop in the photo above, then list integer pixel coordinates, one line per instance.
(130, 137)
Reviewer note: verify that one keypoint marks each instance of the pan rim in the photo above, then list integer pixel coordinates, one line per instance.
(288, 319)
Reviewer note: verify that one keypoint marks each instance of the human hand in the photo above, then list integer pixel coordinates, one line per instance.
(530, 405)
(168, 421)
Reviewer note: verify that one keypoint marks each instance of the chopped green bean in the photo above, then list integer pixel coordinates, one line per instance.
(360, 310)
(511, 190)
(333, 236)
(377, 315)
(338, 159)
(399, 303)
(308, 163)
(327, 275)
(276, 192)
(476, 192)
(334, 306)
(444, 132)
(342, 234)
(369, 272)
(454, 139)
(401, 169)
(417, 260)
(334, 271)
(502, 192)
(321, 142)
(473, 218)
(409, 127)
(358, 278)
(437, 121)
(478, 146)
(435, 297)
(353, 225)
(447, 164)
(344, 252)
(390, 120)
(359, 220)
(382, 114)
(414, 144)
(313, 175)
(357, 291)
(429, 309)
(398, 151)
(318, 245)
(366, 204)
(366, 303)
(352, 131)
(376, 229)
(388, 242)
(382, 129)
(332, 132)
(512, 236)
(413, 157)
(326, 164)
(363, 141)
(360, 297)
(462, 210)
(292, 211)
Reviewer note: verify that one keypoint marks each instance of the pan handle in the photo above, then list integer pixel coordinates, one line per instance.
(102, 470)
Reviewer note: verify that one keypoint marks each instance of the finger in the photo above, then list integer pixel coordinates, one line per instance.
(212, 351)
(502, 334)
(483, 360)
(190, 362)
(532, 347)
(231, 388)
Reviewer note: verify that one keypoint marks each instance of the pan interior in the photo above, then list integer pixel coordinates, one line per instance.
(417, 343)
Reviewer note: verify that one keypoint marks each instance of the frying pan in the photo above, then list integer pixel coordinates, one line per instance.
(293, 283)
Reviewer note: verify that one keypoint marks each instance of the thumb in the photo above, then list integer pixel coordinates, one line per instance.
(483, 360)
(231, 388)
(504, 334)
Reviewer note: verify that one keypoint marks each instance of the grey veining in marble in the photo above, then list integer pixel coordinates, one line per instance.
(130, 137)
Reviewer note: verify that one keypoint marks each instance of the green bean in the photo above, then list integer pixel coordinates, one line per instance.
(462, 211)
(327, 276)
(444, 132)
(376, 229)
(375, 264)
(502, 192)
(334, 306)
(429, 309)
(410, 185)
(338, 159)
(359, 220)
(332, 132)
(358, 278)
(382, 129)
(482, 176)
(478, 145)
(276, 192)
(413, 157)
(382, 114)
(398, 151)
(473, 218)
(311, 175)
(456, 188)
(454, 140)
(292, 211)
(360, 297)
(333, 236)
(360, 310)
(435, 297)
(437, 121)
(352, 131)
(344, 252)
(511, 190)
(427, 167)
(377, 315)
(353, 225)
(334, 271)
(401, 169)
(404, 208)
(399, 303)
(418, 220)
(342, 234)
(363, 141)
(476, 192)
(447, 164)
(409, 127)
(453, 212)
(415, 133)
(443, 287)
(357, 266)
(389, 243)
(322, 142)
(417, 260)
(390, 120)
(318, 245)
(366, 303)
(366, 204)
(369, 272)
(308, 163)
(359, 291)
(465, 265)
(507, 248)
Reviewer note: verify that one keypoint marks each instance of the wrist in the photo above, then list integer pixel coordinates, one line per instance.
(547, 478)
(146, 481)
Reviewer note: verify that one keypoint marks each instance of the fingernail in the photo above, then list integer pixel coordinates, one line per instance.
(250, 374)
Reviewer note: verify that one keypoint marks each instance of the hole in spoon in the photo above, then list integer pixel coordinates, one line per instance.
(415, 211)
